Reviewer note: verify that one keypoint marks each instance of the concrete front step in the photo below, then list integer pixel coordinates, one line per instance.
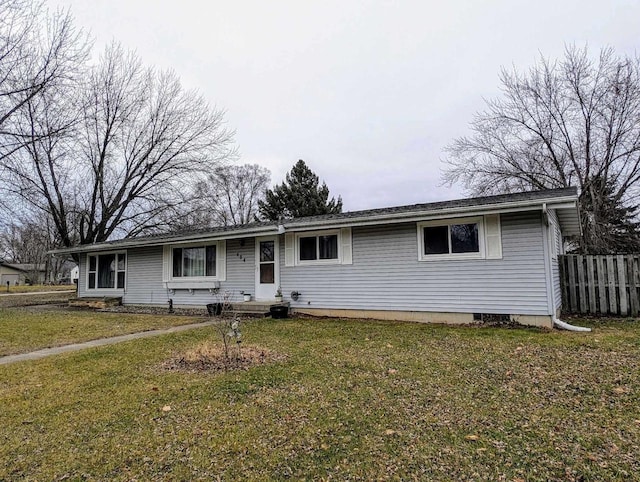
(255, 307)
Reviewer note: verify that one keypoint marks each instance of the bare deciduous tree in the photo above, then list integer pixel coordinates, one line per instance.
(575, 122)
(230, 195)
(37, 52)
(116, 155)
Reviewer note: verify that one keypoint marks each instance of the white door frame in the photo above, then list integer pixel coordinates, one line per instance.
(259, 294)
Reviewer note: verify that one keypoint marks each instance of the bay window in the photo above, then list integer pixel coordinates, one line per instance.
(106, 271)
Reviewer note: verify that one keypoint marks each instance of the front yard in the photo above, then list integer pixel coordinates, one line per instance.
(36, 288)
(28, 329)
(13, 300)
(352, 400)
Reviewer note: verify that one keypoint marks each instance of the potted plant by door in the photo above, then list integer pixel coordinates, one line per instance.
(247, 296)
(279, 295)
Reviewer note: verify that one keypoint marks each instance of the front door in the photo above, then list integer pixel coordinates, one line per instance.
(267, 272)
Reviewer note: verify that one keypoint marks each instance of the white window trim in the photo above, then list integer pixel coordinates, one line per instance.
(479, 220)
(318, 262)
(191, 280)
(108, 290)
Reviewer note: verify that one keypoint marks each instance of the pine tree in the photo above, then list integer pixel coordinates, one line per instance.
(299, 195)
(612, 223)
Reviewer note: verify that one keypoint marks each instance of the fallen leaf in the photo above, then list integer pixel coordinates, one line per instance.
(389, 432)
(392, 371)
(166, 408)
(472, 437)
(389, 345)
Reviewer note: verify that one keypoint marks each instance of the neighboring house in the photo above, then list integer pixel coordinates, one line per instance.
(64, 272)
(10, 275)
(452, 261)
(21, 273)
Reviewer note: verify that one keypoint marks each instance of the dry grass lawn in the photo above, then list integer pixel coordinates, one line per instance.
(34, 299)
(352, 400)
(27, 329)
(36, 288)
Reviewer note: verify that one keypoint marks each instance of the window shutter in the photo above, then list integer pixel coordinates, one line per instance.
(347, 250)
(166, 263)
(493, 236)
(289, 249)
(221, 260)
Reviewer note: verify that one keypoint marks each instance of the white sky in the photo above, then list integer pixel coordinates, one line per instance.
(368, 93)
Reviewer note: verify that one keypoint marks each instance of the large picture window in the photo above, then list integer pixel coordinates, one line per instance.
(318, 248)
(194, 261)
(455, 239)
(106, 271)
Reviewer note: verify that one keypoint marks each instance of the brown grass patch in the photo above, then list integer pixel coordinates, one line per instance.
(210, 357)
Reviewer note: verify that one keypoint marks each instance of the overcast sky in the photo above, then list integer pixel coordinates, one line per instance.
(368, 93)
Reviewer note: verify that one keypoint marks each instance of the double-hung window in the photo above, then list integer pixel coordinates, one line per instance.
(106, 271)
(307, 248)
(318, 248)
(451, 239)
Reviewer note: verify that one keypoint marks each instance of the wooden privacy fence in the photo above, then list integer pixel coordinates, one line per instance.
(601, 284)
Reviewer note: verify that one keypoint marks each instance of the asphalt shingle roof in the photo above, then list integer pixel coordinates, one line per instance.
(395, 210)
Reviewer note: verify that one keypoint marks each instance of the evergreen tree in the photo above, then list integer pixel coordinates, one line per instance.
(612, 225)
(299, 195)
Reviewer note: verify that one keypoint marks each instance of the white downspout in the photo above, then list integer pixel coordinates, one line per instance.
(558, 323)
(566, 326)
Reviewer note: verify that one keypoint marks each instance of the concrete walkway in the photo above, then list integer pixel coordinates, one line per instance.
(35, 355)
(34, 293)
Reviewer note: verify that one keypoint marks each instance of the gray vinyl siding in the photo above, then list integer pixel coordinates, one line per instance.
(386, 274)
(144, 277)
